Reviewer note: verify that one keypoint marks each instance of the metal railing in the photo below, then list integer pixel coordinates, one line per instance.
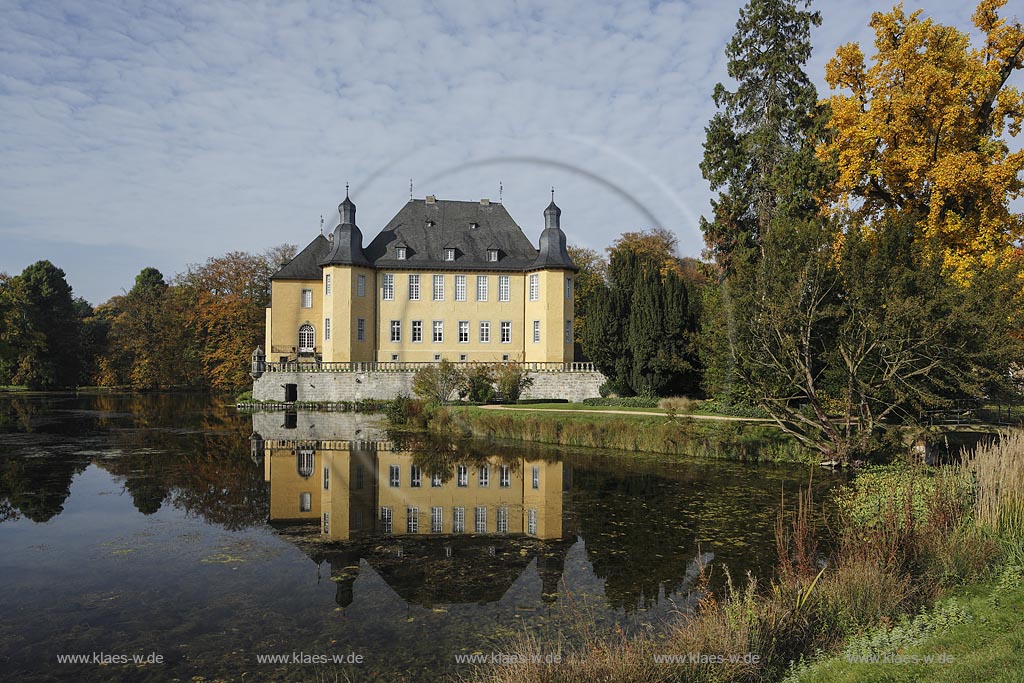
(399, 366)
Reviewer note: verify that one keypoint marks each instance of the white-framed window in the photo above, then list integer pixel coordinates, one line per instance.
(506, 331)
(463, 357)
(436, 481)
(327, 479)
(504, 288)
(305, 502)
(327, 523)
(438, 327)
(449, 254)
(360, 285)
(568, 332)
(307, 298)
(394, 357)
(481, 288)
(505, 476)
(412, 520)
(394, 476)
(439, 288)
(400, 253)
(388, 287)
(480, 519)
(460, 287)
(492, 255)
(531, 521)
(437, 358)
(504, 357)
(327, 329)
(535, 479)
(534, 287)
(360, 329)
(461, 475)
(417, 330)
(485, 475)
(327, 284)
(414, 287)
(458, 520)
(307, 338)
(536, 331)
(396, 330)
(485, 331)
(502, 520)
(463, 331)
(415, 476)
(436, 519)
(568, 288)
(386, 520)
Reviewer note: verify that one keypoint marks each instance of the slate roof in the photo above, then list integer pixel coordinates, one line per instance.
(426, 229)
(450, 227)
(306, 264)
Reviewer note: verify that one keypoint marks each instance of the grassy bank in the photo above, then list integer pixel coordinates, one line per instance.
(908, 536)
(975, 635)
(649, 433)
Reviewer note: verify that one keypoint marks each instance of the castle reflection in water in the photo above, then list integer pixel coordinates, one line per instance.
(440, 523)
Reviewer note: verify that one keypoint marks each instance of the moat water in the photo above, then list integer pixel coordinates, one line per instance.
(206, 543)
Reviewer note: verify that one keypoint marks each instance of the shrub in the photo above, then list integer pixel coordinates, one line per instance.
(677, 404)
(438, 382)
(626, 402)
(512, 380)
(479, 387)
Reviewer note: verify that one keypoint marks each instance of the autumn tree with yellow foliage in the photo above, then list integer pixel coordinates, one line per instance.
(920, 133)
(873, 274)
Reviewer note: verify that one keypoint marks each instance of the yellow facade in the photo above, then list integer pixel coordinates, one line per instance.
(287, 315)
(343, 309)
(483, 339)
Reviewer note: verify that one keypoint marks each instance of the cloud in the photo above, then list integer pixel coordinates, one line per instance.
(175, 131)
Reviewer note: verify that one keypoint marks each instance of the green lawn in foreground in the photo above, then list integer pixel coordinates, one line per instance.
(989, 647)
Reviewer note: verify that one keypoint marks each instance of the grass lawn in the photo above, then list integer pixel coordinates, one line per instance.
(624, 409)
(987, 645)
(579, 406)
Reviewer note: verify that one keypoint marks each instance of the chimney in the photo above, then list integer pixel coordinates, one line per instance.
(431, 199)
(485, 202)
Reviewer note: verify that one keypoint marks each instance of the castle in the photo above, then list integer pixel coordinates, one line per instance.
(444, 280)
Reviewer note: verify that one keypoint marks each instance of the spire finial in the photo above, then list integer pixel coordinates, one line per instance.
(410, 189)
(552, 193)
(346, 189)
(321, 224)
(501, 190)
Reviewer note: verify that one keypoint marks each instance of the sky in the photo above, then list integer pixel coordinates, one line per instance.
(161, 133)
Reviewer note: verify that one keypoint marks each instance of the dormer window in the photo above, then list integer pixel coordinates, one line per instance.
(492, 255)
(400, 253)
(449, 254)
(474, 226)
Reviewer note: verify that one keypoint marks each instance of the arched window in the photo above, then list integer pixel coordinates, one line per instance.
(307, 338)
(304, 462)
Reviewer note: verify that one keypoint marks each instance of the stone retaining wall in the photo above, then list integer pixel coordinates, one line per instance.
(322, 387)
